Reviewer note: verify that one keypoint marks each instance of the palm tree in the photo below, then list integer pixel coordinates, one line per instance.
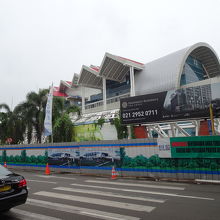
(38, 102)
(11, 125)
(33, 112)
(25, 111)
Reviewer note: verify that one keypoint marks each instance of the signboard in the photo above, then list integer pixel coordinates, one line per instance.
(164, 147)
(195, 147)
(185, 103)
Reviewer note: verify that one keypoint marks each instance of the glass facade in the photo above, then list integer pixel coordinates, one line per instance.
(113, 89)
(193, 71)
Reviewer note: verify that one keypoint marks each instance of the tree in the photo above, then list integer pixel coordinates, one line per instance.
(46, 156)
(127, 161)
(62, 125)
(63, 129)
(33, 112)
(11, 125)
(122, 155)
(58, 108)
(155, 160)
(25, 111)
(141, 160)
(121, 129)
(23, 156)
(4, 155)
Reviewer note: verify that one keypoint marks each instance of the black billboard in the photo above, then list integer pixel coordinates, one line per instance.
(181, 104)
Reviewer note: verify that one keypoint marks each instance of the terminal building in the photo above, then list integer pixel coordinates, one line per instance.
(98, 89)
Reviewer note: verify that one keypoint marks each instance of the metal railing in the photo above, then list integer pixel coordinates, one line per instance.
(108, 101)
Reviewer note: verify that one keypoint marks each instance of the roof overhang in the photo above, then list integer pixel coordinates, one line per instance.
(89, 77)
(75, 80)
(64, 85)
(57, 93)
(116, 67)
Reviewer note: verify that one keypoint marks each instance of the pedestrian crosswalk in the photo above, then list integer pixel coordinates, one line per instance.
(96, 199)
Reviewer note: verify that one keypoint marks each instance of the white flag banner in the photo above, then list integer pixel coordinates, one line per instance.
(48, 114)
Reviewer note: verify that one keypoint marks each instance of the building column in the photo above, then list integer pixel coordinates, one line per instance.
(129, 132)
(83, 99)
(104, 93)
(140, 131)
(132, 89)
(204, 128)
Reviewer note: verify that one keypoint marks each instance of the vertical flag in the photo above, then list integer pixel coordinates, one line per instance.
(48, 114)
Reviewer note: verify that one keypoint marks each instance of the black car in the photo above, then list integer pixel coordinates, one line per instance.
(13, 189)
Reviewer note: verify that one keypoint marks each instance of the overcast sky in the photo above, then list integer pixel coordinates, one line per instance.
(45, 41)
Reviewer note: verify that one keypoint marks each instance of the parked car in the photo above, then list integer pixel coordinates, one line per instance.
(60, 159)
(13, 189)
(96, 156)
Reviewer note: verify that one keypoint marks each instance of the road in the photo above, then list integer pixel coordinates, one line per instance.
(70, 196)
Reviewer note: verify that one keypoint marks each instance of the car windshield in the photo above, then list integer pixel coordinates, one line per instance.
(4, 171)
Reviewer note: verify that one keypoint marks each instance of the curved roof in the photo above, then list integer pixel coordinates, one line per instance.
(165, 73)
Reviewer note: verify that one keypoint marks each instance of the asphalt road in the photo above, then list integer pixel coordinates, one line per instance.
(70, 196)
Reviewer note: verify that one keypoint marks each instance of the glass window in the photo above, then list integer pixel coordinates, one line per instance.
(193, 71)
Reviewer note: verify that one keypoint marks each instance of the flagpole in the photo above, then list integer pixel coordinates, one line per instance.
(52, 119)
(52, 138)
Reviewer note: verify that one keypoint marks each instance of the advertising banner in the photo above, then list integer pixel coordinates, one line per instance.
(63, 156)
(185, 103)
(195, 147)
(99, 156)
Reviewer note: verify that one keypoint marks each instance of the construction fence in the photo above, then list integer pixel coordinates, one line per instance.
(177, 158)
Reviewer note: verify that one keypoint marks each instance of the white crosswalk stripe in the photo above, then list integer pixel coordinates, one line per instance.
(135, 184)
(25, 215)
(41, 181)
(122, 205)
(109, 194)
(56, 177)
(144, 192)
